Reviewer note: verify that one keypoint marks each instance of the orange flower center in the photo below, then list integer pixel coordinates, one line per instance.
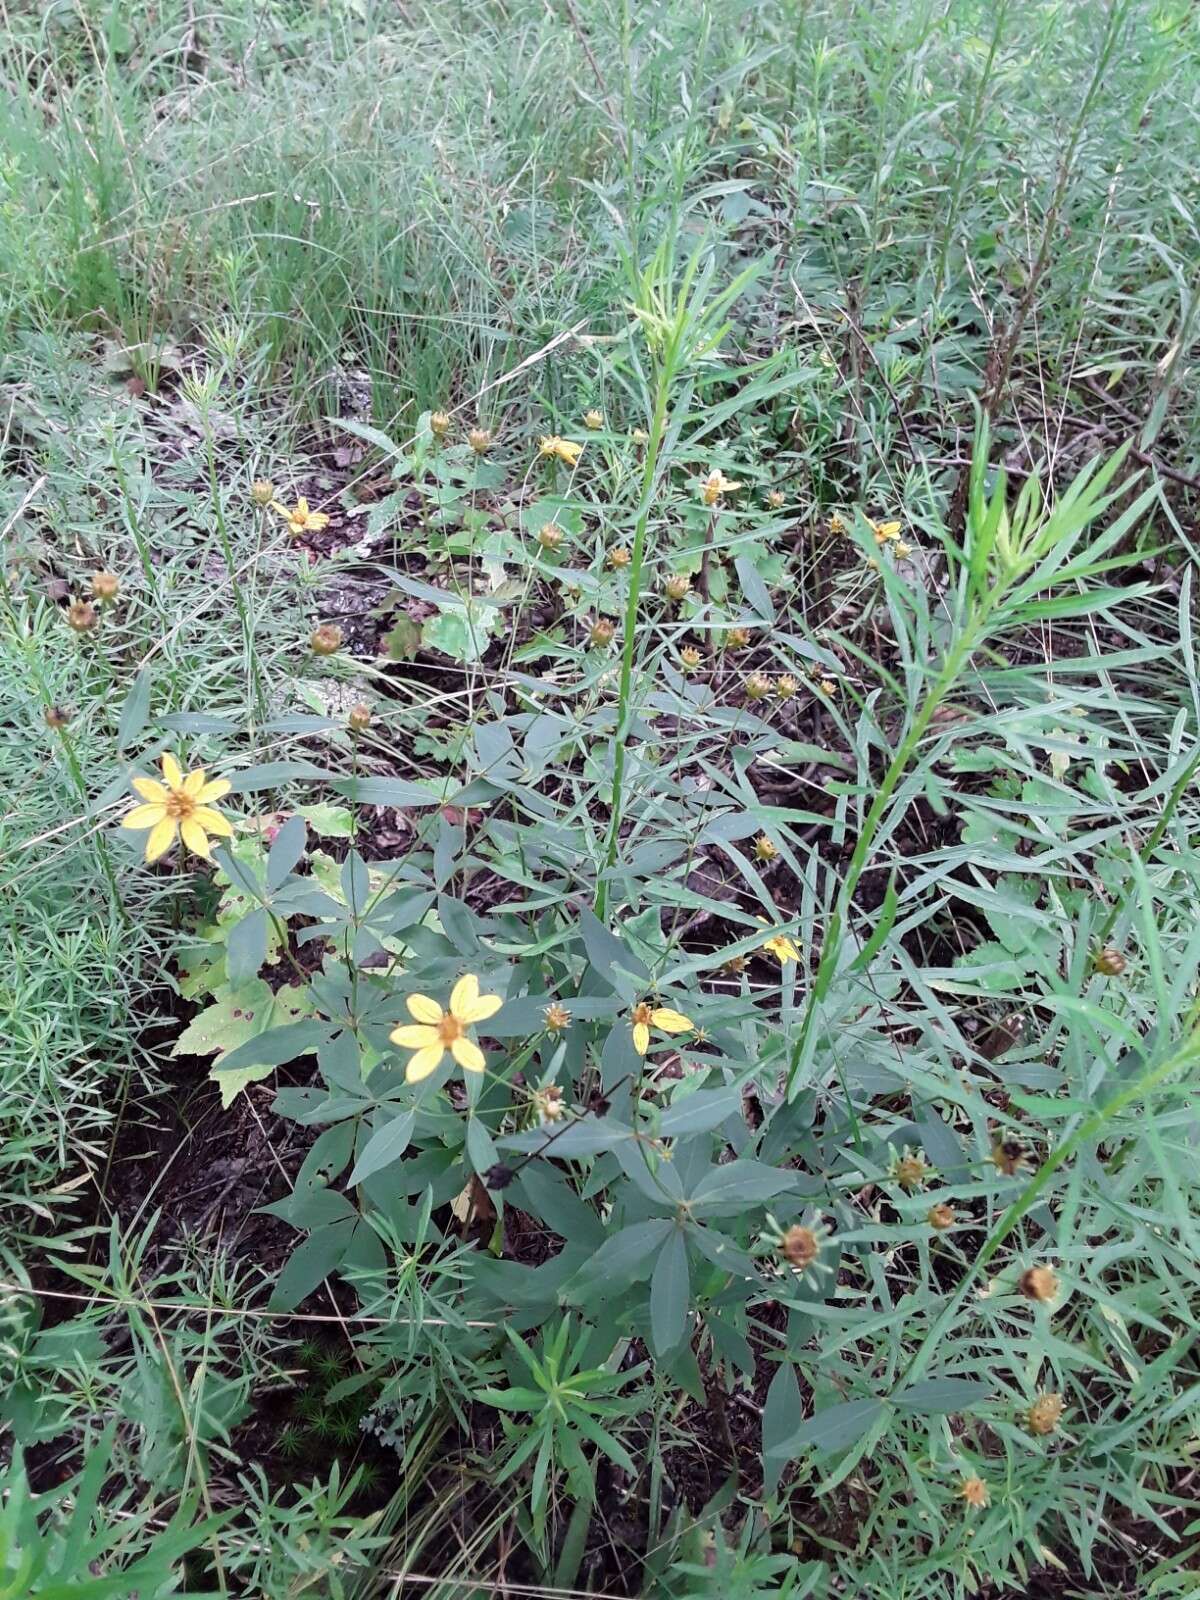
(179, 805)
(449, 1029)
(642, 1014)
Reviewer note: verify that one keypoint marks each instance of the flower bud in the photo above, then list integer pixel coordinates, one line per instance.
(737, 638)
(359, 719)
(326, 640)
(1038, 1283)
(105, 586)
(439, 424)
(82, 616)
(910, 1172)
(758, 686)
(1109, 961)
(640, 436)
(678, 587)
(262, 491)
(775, 499)
(480, 440)
(550, 536)
(603, 630)
(940, 1217)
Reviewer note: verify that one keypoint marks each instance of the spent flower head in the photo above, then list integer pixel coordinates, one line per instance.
(602, 632)
(940, 1217)
(1045, 1414)
(593, 420)
(105, 586)
(439, 424)
(618, 557)
(480, 440)
(550, 536)
(359, 719)
(765, 849)
(975, 1492)
(1038, 1283)
(179, 807)
(910, 1170)
(758, 686)
(262, 492)
(677, 586)
(690, 657)
(325, 640)
(82, 616)
(786, 687)
(556, 1017)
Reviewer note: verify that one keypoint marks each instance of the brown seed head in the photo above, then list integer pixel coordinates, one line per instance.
(975, 1492)
(940, 1217)
(1008, 1156)
(1038, 1283)
(619, 557)
(105, 586)
(82, 616)
(556, 1017)
(262, 491)
(736, 965)
(786, 686)
(800, 1247)
(325, 640)
(758, 686)
(1045, 1413)
(603, 631)
(910, 1172)
(439, 424)
(359, 719)
(56, 717)
(1109, 961)
(737, 638)
(550, 536)
(480, 440)
(678, 587)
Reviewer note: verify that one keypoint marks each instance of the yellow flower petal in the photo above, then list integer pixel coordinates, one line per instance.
(301, 511)
(463, 996)
(318, 520)
(415, 1036)
(670, 1021)
(194, 836)
(213, 822)
(484, 1007)
(468, 1054)
(424, 1009)
(641, 1038)
(147, 816)
(149, 788)
(424, 1062)
(215, 789)
(161, 838)
(194, 782)
(172, 772)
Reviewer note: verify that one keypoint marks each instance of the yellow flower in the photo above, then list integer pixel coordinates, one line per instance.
(180, 806)
(644, 1016)
(565, 449)
(715, 485)
(435, 1031)
(300, 519)
(780, 946)
(884, 531)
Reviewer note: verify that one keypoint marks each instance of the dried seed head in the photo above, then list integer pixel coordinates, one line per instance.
(550, 536)
(800, 1247)
(640, 436)
(735, 965)
(678, 587)
(764, 849)
(82, 616)
(619, 557)
(737, 638)
(439, 424)
(1038, 1283)
(775, 499)
(105, 586)
(758, 686)
(556, 1018)
(975, 1492)
(1045, 1413)
(1109, 961)
(548, 1103)
(827, 686)
(262, 491)
(603, 631)
(910, 1171)
(786, 686)
(593, 420)
(359, 719)
(837, 524)
(325, 640)
(56, 717)
(480, 440)
(1008, 1156)
(903, 549)
(690, 657)
(940, 1216)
